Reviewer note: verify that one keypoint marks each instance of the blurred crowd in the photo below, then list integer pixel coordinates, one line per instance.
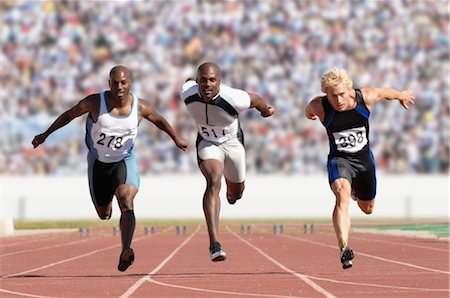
(54, 53)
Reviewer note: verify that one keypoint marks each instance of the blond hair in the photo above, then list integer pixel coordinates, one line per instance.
(334, 77)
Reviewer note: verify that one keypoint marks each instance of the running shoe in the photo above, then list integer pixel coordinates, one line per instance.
(346, 257)
(126, 259)
(216, 252)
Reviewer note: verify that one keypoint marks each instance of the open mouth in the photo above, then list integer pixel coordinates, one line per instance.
(207, 92)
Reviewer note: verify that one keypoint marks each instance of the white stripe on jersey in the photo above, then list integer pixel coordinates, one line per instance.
(214, 123)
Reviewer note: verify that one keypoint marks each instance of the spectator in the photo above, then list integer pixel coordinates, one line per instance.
(275, 49)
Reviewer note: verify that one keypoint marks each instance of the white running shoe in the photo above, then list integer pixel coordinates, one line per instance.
(217, 253)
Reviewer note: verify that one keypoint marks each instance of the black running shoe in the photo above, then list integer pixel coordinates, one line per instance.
(347, 257)
(216, 252)
(126, 259)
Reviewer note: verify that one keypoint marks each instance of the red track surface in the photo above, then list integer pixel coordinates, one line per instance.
(259, 264)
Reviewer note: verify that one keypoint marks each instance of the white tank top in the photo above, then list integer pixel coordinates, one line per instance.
(111, 138)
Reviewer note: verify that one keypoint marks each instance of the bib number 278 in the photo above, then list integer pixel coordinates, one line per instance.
(108, 140)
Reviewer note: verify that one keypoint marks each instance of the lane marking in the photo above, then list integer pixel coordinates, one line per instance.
(401, 244)
(19, 242)
(43, 248)
(304, 278)
(378, 285)
(72, 259)
(373, 257)
(218, 291)
(23, 294)
(139, 283)
(63, 261)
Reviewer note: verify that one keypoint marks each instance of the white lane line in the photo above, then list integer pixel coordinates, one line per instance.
(78, 257)
(22, 294)
(372, 256)
(44, 247)
(401, 244)
(218, 291)
(137, 284)
(61, 262)
(378, 285)
(69, 259)
(18, 242)
(296, 274)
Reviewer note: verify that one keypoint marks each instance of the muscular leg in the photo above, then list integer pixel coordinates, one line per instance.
(104, 212)
(212, 170)
(125, 195)
(341, 219)
(234, 191)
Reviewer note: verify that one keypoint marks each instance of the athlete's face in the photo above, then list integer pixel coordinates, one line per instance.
(339, 98)
(208, 81)
(120, 84)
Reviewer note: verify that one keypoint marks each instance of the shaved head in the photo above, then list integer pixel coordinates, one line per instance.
(120, 69)
(120, 82)
(208, 80)
(205, 67)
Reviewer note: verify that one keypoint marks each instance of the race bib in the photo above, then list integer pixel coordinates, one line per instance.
(214, 133)
(350, 140)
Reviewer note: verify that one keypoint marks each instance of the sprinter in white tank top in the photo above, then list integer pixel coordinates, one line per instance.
(111, 127)
(220, 141)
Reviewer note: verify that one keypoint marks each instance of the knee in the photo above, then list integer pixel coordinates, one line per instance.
(104, 212)
(367, 210)
(126, 203)
(235, 193)
(213, 181)
(234, 196)
(125, 197)
(342, 201)
(104, 216)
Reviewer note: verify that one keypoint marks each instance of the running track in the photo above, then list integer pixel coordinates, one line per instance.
(259, 264)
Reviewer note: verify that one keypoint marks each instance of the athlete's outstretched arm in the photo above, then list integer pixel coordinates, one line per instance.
(82, 107)
(148, 112)
(314, 109)
(258, 103)
(374, 95)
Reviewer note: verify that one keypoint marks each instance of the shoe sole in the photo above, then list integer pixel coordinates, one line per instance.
(347, 264)
(126, 259)
(219, 256)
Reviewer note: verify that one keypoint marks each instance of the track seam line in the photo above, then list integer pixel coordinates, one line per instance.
(296, 274)
(138, 283)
